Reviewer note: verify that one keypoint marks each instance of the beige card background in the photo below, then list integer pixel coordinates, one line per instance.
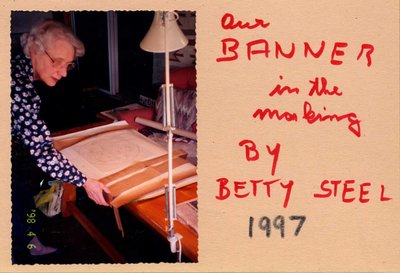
(336, 236)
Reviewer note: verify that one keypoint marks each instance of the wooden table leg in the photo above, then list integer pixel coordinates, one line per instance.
(100, 239)
(69, 195)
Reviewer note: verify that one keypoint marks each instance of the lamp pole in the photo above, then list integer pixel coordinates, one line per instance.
(171, 207)
(162, 31)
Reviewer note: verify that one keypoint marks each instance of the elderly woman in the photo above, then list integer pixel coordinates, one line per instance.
(49, 52)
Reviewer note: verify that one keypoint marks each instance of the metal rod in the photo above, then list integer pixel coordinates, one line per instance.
(164, 104)
(172, 99)
(170, 134)
(159, 126)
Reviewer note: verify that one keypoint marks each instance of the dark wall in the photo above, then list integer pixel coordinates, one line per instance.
(91, 28)
(135, 64)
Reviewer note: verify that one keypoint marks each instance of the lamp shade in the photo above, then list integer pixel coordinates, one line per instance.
(154, 41)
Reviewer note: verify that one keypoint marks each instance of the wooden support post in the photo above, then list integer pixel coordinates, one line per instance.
(69, 195)
(100, 239)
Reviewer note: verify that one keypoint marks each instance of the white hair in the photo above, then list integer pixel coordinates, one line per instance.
(47, 31)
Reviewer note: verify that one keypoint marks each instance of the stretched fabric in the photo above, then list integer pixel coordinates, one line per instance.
(130, 164)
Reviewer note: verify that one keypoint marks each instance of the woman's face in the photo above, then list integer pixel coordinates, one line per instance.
(51, 65)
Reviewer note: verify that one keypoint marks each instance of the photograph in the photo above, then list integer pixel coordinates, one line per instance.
(103, 137)
(200, 136)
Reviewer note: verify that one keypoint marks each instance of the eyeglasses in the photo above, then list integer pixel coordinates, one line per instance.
(59, 63)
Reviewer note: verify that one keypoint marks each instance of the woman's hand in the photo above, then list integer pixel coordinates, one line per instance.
(94, 190)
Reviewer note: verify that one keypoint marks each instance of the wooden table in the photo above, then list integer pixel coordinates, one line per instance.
(151, 212)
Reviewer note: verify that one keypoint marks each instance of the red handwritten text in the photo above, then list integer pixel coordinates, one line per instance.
(348, 192)
(274, 113)
(315, 88)
(323, 90)
(281, 90)
(228, 22)
(311, 117)
(252, 153)
(243, 189)
(231, 46)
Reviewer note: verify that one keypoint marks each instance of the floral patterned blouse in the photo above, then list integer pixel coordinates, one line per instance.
(28, 127)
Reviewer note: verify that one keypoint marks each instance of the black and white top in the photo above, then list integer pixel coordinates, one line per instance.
(27, 126)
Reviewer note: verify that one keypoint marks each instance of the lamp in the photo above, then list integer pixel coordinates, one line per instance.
(164, 24)
(165, 36)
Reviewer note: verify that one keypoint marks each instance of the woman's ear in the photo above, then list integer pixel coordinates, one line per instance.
(36, 47)
(32, 51)
(33, 55)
